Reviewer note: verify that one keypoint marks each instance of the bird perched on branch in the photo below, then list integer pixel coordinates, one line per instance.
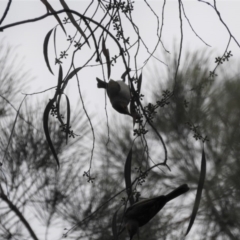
(118, 93)
(143, 211)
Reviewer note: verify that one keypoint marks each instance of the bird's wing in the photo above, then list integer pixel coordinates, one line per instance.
(113, 89)
(145, 210)
(125, 91)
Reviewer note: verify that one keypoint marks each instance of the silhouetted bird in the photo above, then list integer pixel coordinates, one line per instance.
(143, 211)
(118, 93)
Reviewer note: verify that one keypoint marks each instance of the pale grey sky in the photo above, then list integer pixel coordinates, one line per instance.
(29, 38)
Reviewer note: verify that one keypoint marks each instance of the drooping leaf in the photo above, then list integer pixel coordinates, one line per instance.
(67, 125)
(58, 94)
(58, 108)
(73, 21)
(46, 130)
(73, 73)
(139, 84)
(199, 191)
(114, 226)
(50, 8)
(45, 49)
(60, 78)
(68, 118)
(127, 176)
(54, 41)
(107, 56)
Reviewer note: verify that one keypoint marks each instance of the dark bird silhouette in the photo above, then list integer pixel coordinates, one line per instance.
(118, 93)
(142, 212)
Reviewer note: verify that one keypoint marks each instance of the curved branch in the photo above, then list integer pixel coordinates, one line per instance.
(6, 11)
(19, 214)
(114, 39)
(74, 12)
(192, 27)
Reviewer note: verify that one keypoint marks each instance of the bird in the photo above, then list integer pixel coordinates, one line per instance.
(118, 93)
(142, 212)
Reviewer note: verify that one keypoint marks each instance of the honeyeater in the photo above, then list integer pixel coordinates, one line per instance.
(143, 211)
(118, 93)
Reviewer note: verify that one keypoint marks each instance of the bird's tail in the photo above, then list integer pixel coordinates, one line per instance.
(177, 192)
(101, 84)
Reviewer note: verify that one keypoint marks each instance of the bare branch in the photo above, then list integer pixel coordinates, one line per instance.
(6, 11)
(191, 25)
(18, 213)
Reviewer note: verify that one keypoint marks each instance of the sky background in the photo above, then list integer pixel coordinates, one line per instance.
(28, 40)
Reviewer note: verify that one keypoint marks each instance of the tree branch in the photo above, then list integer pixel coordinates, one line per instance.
(6, 11)
(19, 214)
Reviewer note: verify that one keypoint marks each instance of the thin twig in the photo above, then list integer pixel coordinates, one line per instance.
(39, 92)
(181, 43)
(6, 11)
(192, 27)
(89, 120)
(19, 114)
(19, 214)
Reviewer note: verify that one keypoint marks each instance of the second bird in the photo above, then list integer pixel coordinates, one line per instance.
(142, 212)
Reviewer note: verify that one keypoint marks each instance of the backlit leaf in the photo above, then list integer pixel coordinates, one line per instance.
(49, 7)
(127, 176)
(68, 118)
(139, 84)
(60, 78)
(199, 191)
(45, 49)
(73, 21)
(73, 73)
(58, 108)
(46, 130)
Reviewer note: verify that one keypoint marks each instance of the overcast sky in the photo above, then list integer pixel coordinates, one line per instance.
(29, 38)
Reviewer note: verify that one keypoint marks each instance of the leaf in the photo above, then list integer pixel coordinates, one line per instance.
(68, 118)
(199, 192)
(45, 49)
(107, 56)
(139, 84)
(114, 226)
(54, 41)
(73, 21)
(127, 175)
(49, 7)
(58, 94)
(58, 108)
(68, 114)
(60, 78)
(73, 73)
(46, 130)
